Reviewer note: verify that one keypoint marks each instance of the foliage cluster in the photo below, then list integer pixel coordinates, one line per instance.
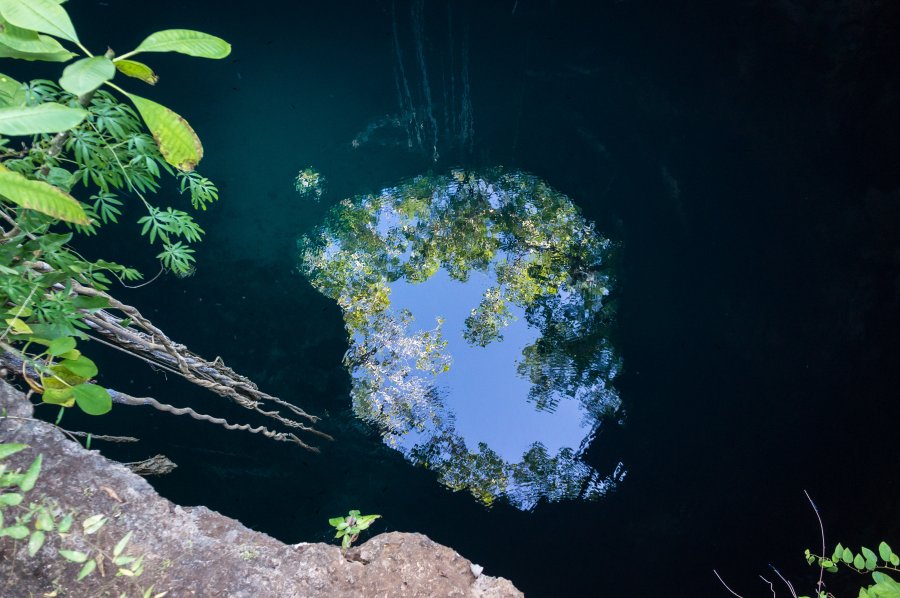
(72, 155)
(349, 527)
(33, 522)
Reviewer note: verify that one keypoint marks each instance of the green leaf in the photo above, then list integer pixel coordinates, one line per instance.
(62, 56)
(18, 326)
(92, 524)
(895, 560)
(44, 16)
(871, 558)
(847, 556)
(66, 524)
(138, 70)
(121, 545)
(25, 40)
(10, 499)
(838, 551)
(86, 302)
(16, 532)
(93, 399)
(11, 92)
(334, 521)
(58, 396)
(43, 118)
(11, 448)
(345, 543)
(185, 41)
(177, 141)
(858, 562)
(884, 551)
(73, 555)
(87, 74)
(58, 346)
(28, 480)
(35, 542)
(87, 569)
(83, 367)
(40, 196)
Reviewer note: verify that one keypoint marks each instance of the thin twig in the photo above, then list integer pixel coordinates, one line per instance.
(786, 582)
(822, 530)
(771, 585)
(722, 581)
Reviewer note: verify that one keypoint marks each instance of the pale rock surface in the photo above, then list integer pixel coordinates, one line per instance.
(193, 551)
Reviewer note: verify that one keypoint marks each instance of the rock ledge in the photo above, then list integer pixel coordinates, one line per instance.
(193, 551)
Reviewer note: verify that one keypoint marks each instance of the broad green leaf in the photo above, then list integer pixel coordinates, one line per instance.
(43, 118)
(18, 326)
(11, 92)
(87, 74)
(334, 521)
(25, 40)
(73, 555)
(62, 56)
(44, 16)
(35, 542)
(859, 562)
(345, 543)
(884, 551)
(177, 142)
(86, 302)
(122, 544)
(28, 480)
(58, 396)
(58, 346)
(185, 41)
(871, 558)
(16, 532)
(895, 560)
(10, 499)
(82, 367)
(92, 399)
(87, 569)
(847, 556)
(838, 551)
(40, 196)
(138, 70)
(11, 449)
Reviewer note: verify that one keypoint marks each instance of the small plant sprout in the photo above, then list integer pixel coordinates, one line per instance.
(349, 527)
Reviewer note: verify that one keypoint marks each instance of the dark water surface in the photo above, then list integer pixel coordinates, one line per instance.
(742, 155)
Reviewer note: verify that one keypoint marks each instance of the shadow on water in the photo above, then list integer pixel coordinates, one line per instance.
(743, 158)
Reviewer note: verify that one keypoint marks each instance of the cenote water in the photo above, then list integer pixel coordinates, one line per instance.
(590, 293)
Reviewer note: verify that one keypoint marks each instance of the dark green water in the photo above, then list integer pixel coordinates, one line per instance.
(742, 155)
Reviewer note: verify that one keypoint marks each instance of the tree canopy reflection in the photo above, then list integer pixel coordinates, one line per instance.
(505, 378)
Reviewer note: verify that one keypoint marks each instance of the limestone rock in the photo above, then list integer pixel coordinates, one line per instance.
(193, 551)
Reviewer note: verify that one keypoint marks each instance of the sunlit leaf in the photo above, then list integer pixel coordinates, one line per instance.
(40, 196)
(185, 41)
(43, 118)
(87, 74)
(138, 70)
(884, 551)
(7, 52)
(177, 141)
(44, 16)
(32, 42)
